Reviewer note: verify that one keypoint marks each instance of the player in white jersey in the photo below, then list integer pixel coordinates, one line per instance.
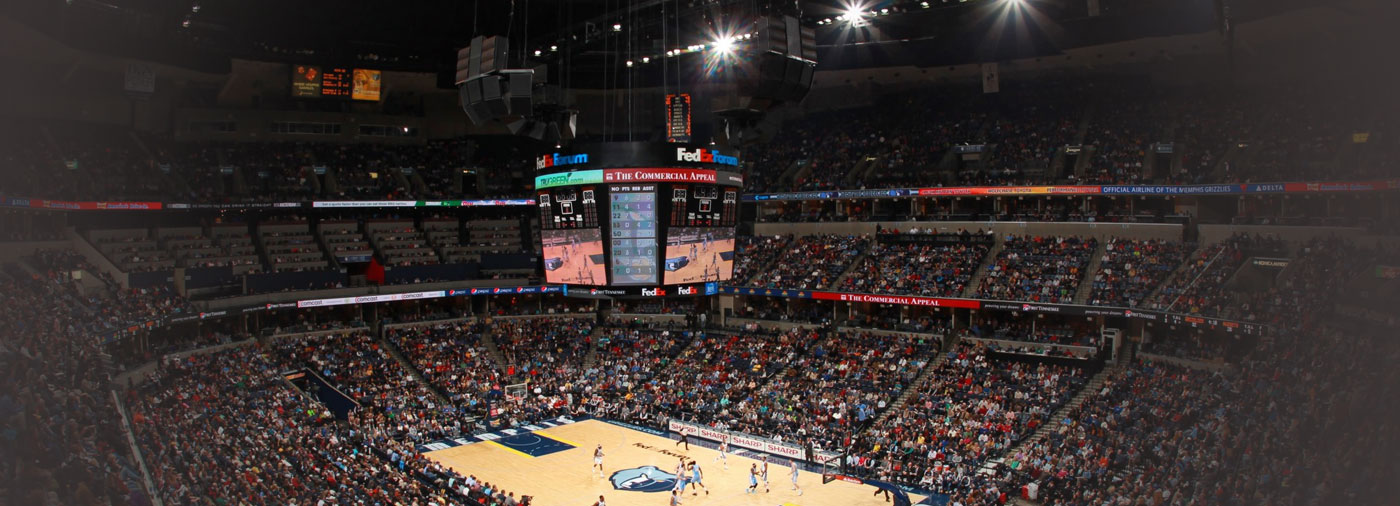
(600, 502)
(794, 477)
(598, 460)
(724, 451)
(764, 473)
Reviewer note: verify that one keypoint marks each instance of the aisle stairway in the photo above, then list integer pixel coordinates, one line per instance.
(413, 371)
(970, 292)
(488, 340)
(1057, 419)
(865, 253)
(1179, 267)
(1086, 280)
(918, 383)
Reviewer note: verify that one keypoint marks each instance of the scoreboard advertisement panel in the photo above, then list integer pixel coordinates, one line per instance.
(311, 81)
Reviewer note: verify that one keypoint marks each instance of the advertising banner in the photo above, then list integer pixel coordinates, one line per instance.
(738, 439)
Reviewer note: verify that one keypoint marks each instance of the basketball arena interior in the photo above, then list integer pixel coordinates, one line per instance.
(699, 252)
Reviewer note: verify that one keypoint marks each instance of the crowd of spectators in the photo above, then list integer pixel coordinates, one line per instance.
(389, 396)
(755, 253)
(1131, 269)
(969, 410)
(1163, 433)
(1181, 435)
(1037, 269)
(452, 357)
(812, 262)
(837, 388)
(712, 381)
(1199, 286)
(58, 434)
(225, 428)
(933, 270)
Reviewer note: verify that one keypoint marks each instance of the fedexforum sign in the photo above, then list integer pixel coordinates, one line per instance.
(705, 156)
(556, 159)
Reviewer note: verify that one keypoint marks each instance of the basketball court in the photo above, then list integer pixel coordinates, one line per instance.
(554, 465)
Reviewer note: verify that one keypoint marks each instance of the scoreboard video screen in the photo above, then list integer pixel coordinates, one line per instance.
(310, 81)
(669, 215)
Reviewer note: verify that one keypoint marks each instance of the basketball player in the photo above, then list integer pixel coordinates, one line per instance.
(794, 477)
(685, 439)
(764, 473)
(753, 479)
(724, 451)
(675, 498)
(696, 479)
(600, 502)
(679, 488)
(694, 255)
(598, 461)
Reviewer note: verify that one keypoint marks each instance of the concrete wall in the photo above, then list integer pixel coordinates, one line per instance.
(1096, 230)
(1215, 233)
(14, 251)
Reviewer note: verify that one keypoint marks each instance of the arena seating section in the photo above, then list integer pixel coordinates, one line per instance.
(916, 269)
(1131, 269)
(1037, 269)
(1146, 429)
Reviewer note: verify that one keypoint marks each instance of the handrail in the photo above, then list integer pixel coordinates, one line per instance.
(136, 451)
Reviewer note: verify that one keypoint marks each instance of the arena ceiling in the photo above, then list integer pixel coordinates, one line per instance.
(590, 40)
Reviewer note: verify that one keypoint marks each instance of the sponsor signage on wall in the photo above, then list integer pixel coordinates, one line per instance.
(741, 440)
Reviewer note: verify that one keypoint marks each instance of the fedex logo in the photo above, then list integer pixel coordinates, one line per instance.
(685, 290)
(653, 292)
(705, 156)
(556, 159)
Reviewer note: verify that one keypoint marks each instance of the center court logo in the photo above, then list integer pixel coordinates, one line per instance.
(643, 479)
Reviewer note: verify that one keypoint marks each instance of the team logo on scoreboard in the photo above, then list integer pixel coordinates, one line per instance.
(643, 479)
(705, 156)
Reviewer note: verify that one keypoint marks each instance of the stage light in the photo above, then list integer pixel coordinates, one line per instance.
(538, 52)
(553, 48)
(617, 27)
(629, 63)
(725, 45)
(925, 4)
(646, 59)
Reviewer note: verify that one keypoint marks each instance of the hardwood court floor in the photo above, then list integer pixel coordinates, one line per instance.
(565, 478)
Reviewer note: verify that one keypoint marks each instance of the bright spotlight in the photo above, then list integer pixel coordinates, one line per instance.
(629, 63)
(617, 27)
(725, 45)
(646, 59)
